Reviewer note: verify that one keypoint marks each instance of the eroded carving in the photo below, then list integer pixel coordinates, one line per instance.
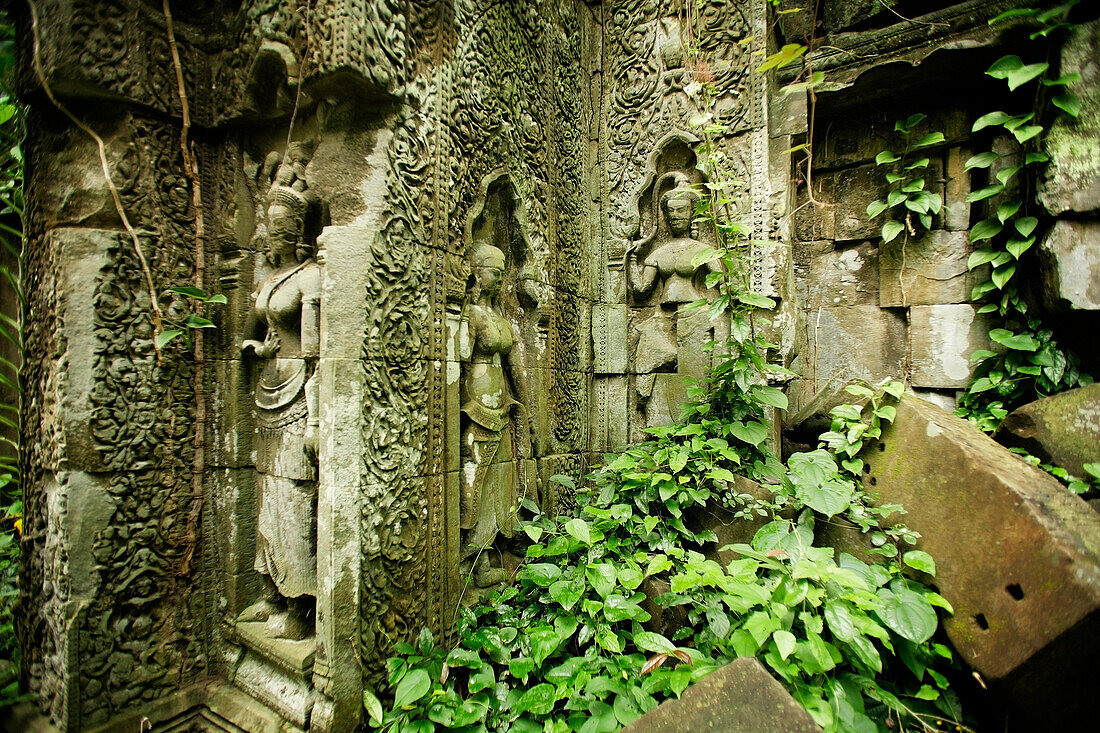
(286, 405)
(496, 442)
(670, 337)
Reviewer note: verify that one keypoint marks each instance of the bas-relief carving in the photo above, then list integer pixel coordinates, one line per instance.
(496, 445)
(648, 140)
(669, 338)
(136, 633)
(401, 578)
(286, 407)
(401, 570)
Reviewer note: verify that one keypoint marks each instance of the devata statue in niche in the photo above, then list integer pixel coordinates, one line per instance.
(496, 445)
(670, 341)
(287, 314)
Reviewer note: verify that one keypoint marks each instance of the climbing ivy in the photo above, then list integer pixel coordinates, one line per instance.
(1028, 362)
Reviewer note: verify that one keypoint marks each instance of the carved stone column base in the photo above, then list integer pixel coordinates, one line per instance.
(277, 672)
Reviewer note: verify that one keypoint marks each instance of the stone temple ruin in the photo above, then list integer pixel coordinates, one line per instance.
(454, 241)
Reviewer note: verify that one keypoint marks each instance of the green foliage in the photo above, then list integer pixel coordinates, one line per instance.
(11, 506)
(571, 643)
(1090, 482)
(908, 202)
(1027, 363)
(568, 647)
(184, 327)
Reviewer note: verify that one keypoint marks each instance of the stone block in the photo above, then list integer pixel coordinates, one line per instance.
(1070, 257)
(1017, 556)
(841, 276)
(934, 270)
(266, 677)
(231, 407)
(346, 253)
(956, 215)
(738, 698)
(844, 344)
(234, 494)
(609, 338)
(610, 404)
(83, 254)
(944, 399)
(1063, 429)
(1072, 181)
(942, 338)
(845, 142)
(816, 221)
(853, 190)
(787, 115)
(771, 263)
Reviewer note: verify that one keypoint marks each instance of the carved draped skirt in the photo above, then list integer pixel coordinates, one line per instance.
(286, 527)
(490, 485)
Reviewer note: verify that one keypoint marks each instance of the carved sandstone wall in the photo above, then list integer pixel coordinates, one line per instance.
(550, 130)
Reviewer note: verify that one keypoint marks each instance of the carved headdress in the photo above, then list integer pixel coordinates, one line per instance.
(290, 190)
(672, 185)
(484, 254)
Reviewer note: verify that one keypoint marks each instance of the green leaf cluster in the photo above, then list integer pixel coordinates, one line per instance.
(907, 201)
(183, 327)
(571, 643)
(1026, 362)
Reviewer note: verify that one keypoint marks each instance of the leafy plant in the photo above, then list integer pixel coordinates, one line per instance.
(1029, 363)
(623, 604)
(11, 506)
(908, 202)
(176, 328)
(571, 646)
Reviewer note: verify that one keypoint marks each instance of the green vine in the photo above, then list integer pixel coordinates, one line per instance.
(1029, 363)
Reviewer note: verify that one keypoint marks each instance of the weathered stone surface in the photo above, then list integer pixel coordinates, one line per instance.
(1017, 556)
(956, 215)
(1063, 429)
(1073, 175)
(1070, 256)
(934, 270)
(609, 338)
(944, 399)
(942, 337)
(853, 189)
(844, 344)
(739, 698)
(829, 276)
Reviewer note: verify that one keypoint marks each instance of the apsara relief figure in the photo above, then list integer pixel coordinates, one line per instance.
(669, 341)
(287, 310)
(496, 425)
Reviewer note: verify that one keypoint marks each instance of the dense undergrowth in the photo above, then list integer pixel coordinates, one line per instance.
(571, 642)
(11, 202)
(570, 645)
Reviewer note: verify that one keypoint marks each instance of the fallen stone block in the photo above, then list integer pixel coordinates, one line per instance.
(739, 698)
(1063, 429)
(1017, 555)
